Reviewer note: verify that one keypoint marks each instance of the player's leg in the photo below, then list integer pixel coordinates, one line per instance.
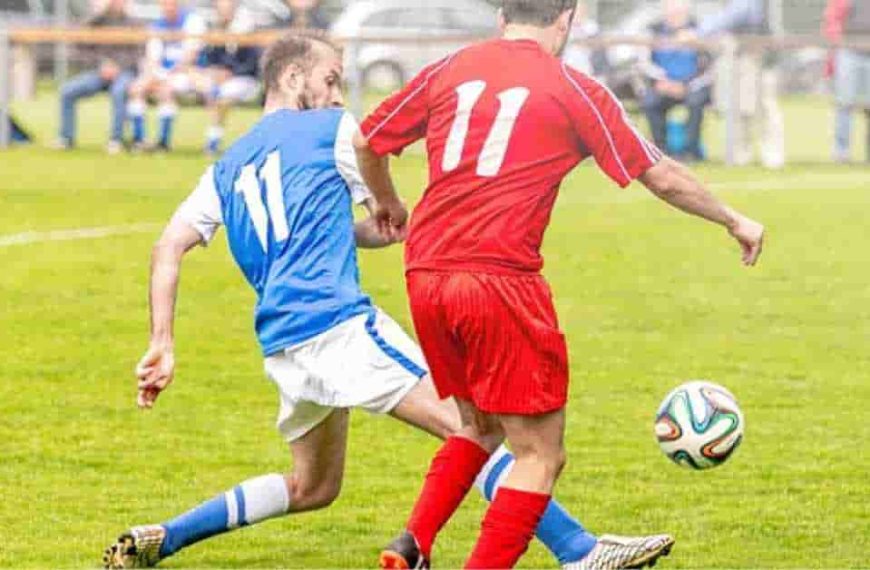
(314, 483)
(511, 520)
(561, 533)
(450, 476)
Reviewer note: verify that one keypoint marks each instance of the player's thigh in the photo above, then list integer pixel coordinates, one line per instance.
(517, 357)
(424, 409)
(318, 463)
(444, 354)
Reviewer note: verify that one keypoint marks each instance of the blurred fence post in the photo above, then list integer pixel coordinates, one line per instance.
(5, 88)
(355, 82)
(732, 97)
(61, 49)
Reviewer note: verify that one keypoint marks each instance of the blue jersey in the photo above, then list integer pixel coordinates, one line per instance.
(285, 193)
(168, 54)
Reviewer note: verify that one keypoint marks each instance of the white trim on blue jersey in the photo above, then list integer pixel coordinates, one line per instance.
(202, 209)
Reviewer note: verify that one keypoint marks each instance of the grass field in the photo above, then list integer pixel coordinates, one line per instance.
(646, 296)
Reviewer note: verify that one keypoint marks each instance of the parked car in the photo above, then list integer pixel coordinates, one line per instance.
(427, 26)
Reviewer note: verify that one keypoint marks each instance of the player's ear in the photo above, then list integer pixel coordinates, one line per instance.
(291, 79)
(502, 22)
(564, 22)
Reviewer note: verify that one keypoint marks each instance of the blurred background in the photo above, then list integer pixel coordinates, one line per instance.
(758, 72)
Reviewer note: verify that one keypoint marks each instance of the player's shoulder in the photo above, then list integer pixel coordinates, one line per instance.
(301, 131)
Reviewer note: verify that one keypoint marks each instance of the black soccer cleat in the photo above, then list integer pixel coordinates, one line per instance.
(403, 554)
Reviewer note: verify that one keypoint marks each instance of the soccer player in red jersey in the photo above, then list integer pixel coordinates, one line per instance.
(504, 122)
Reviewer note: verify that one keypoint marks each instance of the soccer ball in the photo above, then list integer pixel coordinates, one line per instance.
(699, 425)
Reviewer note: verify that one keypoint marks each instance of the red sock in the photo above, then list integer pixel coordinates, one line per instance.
(507, 529)
(450, 477)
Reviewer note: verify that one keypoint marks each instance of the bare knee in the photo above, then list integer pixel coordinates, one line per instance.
(550, 460)
(309, 494)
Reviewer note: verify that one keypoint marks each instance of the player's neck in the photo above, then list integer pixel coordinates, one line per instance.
(280, 103)
(542, 36)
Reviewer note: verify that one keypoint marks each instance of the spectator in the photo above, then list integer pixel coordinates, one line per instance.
(230, 73)
(845, 20)
(306, 14)
(113, 69)
(589, 61)
(757, 89)
(677, 76)
(169, 69)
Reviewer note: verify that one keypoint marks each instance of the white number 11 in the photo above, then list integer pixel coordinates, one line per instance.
(248, 184)
(495, 148)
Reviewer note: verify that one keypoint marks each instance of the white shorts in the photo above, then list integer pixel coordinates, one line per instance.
(366, 362)
(239, 89)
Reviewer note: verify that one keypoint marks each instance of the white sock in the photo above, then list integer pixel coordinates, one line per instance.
(136, 108)
(264, 498)
(494, 473)
(167, 110)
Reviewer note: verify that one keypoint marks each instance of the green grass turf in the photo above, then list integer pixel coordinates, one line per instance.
(647, 297)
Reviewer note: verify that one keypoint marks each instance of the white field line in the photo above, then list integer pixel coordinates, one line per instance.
(27, 238)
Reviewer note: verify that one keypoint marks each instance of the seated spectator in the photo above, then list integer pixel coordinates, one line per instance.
(230, 73)
(169, 70)
(113, 70)
(677, 76)
(306, 15)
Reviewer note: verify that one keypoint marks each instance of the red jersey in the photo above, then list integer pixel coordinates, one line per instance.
(504, 123)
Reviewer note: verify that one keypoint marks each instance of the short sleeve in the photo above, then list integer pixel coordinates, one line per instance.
(345, 159)
(605, 130)
(402, 119)
(202, 209)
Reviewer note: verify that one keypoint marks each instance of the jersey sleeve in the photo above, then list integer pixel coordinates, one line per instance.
(345, 159)
(605, 130)
(402, 119)
(202, 209)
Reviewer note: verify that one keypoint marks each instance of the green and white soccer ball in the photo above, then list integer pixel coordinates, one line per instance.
(699, 425)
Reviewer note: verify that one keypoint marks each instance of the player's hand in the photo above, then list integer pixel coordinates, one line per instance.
(750, 235)
(392, 220)
(155, 372)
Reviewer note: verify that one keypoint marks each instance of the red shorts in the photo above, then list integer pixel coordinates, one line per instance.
(491, 339)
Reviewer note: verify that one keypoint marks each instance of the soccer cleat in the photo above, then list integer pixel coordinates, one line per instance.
(403, 554)
(137, 548)
(618, 552)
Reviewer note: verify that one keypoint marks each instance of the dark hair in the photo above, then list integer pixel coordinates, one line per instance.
(297, 48)
(535, 12)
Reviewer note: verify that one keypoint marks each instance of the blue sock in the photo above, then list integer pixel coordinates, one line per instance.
(136, 112)
(559, 531)
(250, 502)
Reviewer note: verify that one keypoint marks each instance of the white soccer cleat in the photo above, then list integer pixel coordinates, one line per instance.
(618, 552)
(137, 548)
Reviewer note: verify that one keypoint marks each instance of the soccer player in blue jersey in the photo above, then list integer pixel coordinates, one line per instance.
(284, 192)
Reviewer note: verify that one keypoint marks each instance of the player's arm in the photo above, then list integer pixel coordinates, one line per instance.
(390, 215)
(367, 232)
(624, 155)
(155, 370)
(397, 122)
(195, 222)
(679, 187)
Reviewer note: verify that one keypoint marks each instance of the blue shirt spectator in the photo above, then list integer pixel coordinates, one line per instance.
(677, 75)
